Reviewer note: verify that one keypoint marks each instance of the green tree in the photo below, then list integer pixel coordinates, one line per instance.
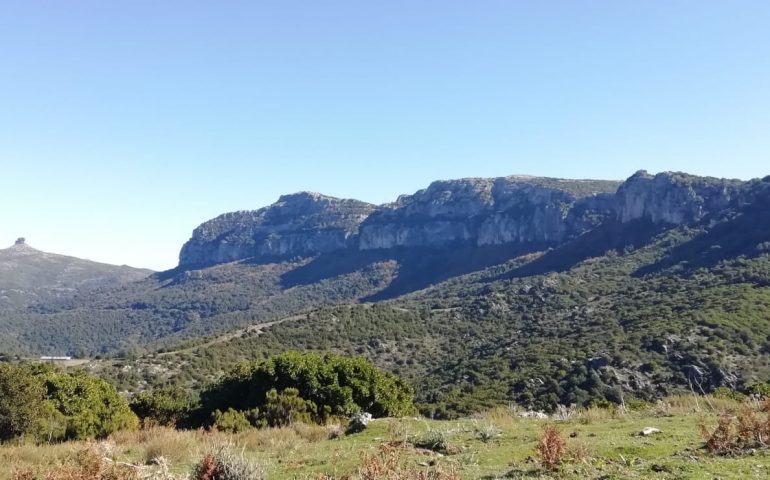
(165, 406)
(230, 421)
(335, 384)
(21, 401)
(92, 407)
(283, 409)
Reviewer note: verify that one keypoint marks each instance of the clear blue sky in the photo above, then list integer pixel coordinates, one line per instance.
(125, 124)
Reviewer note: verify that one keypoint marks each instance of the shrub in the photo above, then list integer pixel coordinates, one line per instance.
(486, 433)
(433, 439)
(91, 407)
(550, 447)
(165, 407)
(90, 464)
(761, 390)
(336, 385)
(230, 421)
(724, 393)
(283, 409)
(21, 401)
(387, 465)
(720, 440)
(50, 405)
(223, 463)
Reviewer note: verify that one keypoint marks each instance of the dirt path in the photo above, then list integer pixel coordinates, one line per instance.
(257, 328)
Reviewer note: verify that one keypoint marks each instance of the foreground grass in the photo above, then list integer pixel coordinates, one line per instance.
(599, 444)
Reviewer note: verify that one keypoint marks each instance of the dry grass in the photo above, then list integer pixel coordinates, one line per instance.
(156, 442)
(91, 464)
(225, 462)
(388, 464)
(738, 431)
(550, 447)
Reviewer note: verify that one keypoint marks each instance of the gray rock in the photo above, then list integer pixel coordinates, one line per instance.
(302, 224)
(358, 422)
(533, 414)
(473, 212)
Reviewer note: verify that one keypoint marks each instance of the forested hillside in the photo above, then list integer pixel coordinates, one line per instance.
(661, 287)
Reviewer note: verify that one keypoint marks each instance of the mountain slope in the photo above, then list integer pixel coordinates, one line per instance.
(30, 276)
(309, 250)
(601, 330)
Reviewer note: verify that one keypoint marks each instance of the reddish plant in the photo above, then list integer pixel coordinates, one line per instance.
(551, 447)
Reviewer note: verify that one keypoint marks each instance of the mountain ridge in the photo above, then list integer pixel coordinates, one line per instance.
(29, 275)
(516, 209)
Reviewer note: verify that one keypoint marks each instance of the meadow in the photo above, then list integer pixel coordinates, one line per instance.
(596, 443)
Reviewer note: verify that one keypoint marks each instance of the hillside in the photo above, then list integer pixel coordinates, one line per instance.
(538, 291)
(29, 276)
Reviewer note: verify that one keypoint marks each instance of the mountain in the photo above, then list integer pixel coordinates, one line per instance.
(475, 212)
(479, 291)
(467, 212)
(29, 276)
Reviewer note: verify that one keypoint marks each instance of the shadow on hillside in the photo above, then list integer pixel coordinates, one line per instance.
(595, 243)
(728, 237)
(416, 268)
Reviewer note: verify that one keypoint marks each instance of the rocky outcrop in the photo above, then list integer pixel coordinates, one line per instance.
(489, 212)
(469, 212)
(675, 198)
(297, 225)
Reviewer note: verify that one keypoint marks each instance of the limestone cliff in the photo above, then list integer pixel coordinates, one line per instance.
(297, 225)
(469, 212)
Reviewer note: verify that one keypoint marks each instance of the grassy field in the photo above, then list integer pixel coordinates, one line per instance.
(599, 445)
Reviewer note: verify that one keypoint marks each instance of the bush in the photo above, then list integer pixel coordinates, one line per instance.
(165, 407)
(91, 408)
(486, 433)
(724, 393)
(433, 439)
(550, 447)
(223, 463)
(283, 409)
(720, 440)
(50, 405)
(761, 390)
(230, 421)
(21, 401)
(336, 385)
(90, 464)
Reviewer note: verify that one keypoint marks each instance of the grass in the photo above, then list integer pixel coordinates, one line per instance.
(599, 444)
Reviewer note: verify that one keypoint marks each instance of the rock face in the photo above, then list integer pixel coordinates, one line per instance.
(469, 212)
(488, 212)
(675, 198)
(297, 225)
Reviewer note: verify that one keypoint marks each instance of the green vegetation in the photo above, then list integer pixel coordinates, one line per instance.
(591, 443)
(45, 404)
(21, 401)
(598, 332)
(307, 387)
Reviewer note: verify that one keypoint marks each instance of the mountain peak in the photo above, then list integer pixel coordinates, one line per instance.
(20, 241)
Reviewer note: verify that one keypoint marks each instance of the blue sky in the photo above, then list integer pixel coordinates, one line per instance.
(125, 124)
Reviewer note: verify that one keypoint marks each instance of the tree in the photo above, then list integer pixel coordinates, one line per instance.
(283, 409)
(92, 407)
(21, 401)
(165, 406)
(334, 384)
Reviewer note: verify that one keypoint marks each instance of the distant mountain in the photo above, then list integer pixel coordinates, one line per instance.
(480, 291)
(516, 212)
(667, 293)
(32, 277)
